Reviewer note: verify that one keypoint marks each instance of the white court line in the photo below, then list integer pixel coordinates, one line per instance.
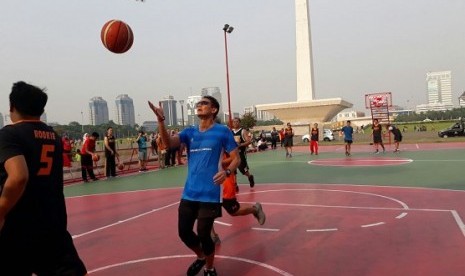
(322, 230)
(125, 220)
(373, 224)
(401, 215)
(222, 223)
(265, 229)
(267, 266)
(459, 221)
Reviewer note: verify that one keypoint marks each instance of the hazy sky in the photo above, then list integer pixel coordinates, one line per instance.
(359, 47)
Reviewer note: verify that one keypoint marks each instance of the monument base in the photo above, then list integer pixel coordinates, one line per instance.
(306, 112)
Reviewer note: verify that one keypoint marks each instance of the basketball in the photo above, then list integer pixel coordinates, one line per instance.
(117, 36)
(95, 157)
(120, 167)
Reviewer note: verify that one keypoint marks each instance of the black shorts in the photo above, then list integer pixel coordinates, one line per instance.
(200, 210)
(377, 140)
(231, 205)
(348, 141)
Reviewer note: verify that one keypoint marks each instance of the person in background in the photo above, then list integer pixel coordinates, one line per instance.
(34, 239)
(288, 140)
(243, 140)
(397, 136)
(142, 149)
(377, 136)
(110, 153)
(201, 199)
(348, 131)
(67, 147)
(87, 155)
(274, 138)
(314, 136)
(161, 151)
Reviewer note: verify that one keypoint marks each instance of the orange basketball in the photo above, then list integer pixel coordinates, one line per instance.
(95, 157)
(120, 167)
(117, 36)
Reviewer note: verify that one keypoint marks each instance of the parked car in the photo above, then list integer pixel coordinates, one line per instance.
(457, 129)
(327, 136)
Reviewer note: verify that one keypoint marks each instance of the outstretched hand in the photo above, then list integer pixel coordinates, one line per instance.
(158, 111)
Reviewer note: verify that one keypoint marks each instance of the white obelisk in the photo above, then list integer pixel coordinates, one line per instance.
(304, 59)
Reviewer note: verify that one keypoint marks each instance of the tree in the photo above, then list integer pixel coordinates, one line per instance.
(248, 120)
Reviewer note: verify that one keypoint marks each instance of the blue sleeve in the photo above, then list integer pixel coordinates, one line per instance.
(184, 135)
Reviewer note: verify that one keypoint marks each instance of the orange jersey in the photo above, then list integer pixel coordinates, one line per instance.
(229, 187)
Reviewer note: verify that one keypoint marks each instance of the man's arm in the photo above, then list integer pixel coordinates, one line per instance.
(247, 139)
(168, 140)
(15, 184)
(235, 162)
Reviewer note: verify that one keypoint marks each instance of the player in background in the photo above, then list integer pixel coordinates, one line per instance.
(397, 136)
(314, 136)
(348, 131)
(230, 203)
(243, 140)
(377, 136)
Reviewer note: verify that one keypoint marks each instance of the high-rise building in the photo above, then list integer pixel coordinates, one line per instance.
(169, 108)
(124, 111)
(98, 111)
(215, 93)
(191, 103)
(1, 120)
(439, 88)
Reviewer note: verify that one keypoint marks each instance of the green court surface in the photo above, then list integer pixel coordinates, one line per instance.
(439, 166)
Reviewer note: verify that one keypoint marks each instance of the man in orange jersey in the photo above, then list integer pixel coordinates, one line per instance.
(230, 203)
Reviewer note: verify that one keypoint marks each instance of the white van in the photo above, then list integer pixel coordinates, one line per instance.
(327, 136)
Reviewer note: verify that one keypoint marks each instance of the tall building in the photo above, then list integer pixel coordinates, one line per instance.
(215, 93)
(169, 108)
(439, 88)
(191, 103)
(124, 110)
(462, 100)
(98, 111)
(1, 120)
(260, 115)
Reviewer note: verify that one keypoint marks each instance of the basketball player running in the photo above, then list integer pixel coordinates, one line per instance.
(243, 140)
(230, 203)
(201, 198)
(33, 221)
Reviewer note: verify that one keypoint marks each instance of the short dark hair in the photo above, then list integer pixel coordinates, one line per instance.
(214, 102)
(95, 134)
(28, 99)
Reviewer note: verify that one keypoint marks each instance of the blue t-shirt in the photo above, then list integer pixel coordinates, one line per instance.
(141, 143)
(204, 152)
(348, 131)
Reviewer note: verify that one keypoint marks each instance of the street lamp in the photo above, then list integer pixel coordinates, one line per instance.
(82, 122)
(227, 29)
(181, 102)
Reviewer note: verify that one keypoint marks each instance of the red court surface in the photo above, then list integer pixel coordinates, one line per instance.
(311, 229)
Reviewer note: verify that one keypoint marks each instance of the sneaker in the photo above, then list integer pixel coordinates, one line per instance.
(209, 272)
(251, 181)
(376, 152)
(287, 155)
(216, 239)
(290, 155)
(195, 267)
(260, 215)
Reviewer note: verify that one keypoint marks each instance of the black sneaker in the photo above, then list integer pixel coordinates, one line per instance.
(208, 272)
(195, 267)
(251, 181)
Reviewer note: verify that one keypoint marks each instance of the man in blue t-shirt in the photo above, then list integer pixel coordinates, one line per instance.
(201, 198)
(348, 130)
(142, 149)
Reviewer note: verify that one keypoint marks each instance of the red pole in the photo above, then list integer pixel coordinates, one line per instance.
(227, 79)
